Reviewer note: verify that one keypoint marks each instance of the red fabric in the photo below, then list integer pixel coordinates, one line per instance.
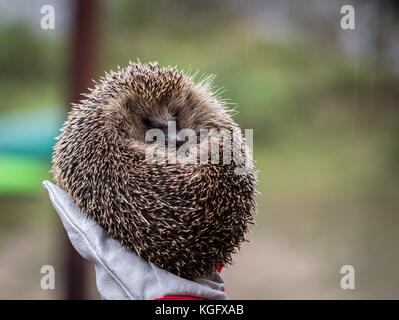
(220, 267)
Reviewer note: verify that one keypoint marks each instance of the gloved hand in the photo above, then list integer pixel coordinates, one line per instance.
(120, 273)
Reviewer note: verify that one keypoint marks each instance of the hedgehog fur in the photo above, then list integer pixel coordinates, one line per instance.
(185, 218)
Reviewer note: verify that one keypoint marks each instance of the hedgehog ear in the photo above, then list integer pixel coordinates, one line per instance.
(120, 273)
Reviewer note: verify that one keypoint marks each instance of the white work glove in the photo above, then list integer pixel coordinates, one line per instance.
(120, 273)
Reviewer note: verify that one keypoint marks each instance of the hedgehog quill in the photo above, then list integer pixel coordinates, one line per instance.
(186, 218)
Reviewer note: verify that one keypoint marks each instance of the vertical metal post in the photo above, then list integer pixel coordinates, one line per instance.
(85, 36)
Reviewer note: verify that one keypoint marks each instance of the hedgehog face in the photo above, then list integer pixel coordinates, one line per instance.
(182, 103)
(185, 218)
(143, 121)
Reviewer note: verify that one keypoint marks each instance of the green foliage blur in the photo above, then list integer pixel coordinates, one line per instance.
(32, 67)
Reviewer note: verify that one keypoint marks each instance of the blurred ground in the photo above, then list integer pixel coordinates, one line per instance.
(325, 144)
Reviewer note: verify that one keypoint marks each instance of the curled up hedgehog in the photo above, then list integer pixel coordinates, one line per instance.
(185, 217)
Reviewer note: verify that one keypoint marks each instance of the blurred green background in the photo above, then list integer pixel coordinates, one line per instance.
(322, 101)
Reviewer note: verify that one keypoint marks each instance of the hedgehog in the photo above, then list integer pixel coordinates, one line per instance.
(186, 218)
